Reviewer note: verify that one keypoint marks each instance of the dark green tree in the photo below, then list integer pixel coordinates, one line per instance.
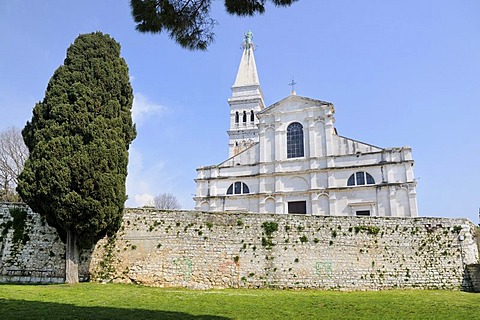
(188, 22)
(78, 141)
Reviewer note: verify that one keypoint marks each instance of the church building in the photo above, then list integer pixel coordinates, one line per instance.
(289, 158)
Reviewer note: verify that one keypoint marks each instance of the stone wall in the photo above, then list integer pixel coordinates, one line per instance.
(473, 276)
(217, 250)
(30, 250)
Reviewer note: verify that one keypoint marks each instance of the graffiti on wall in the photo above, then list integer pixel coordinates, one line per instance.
(229, 264)
(183, 267)
(323, 269)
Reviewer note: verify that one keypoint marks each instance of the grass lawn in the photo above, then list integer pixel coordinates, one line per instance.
(117, 301)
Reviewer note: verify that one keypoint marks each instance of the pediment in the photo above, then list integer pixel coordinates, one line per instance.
(294, 103)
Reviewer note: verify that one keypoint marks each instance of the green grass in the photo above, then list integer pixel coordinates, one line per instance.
(116, 301)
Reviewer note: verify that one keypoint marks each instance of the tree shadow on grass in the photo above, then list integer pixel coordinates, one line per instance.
(22, 309)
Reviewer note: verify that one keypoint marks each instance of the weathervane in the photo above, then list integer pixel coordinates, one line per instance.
(292, 84)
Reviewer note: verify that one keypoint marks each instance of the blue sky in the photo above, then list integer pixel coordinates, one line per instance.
(400, 73)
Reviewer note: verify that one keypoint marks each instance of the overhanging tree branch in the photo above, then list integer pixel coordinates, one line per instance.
(188, 22)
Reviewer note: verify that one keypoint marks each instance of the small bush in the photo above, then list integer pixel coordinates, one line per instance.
(267, 242)
(457, 229)
(270, 227)
(369, 229)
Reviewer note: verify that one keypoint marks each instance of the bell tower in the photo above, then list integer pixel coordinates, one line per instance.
(245, 102)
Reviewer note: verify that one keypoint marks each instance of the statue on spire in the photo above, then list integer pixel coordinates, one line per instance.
(247, 42)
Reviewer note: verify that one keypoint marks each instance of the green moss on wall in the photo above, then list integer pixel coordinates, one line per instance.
(18, 224)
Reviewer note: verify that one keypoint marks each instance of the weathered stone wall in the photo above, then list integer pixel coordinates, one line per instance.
(215, 250)
(473, 276)
(30, 250)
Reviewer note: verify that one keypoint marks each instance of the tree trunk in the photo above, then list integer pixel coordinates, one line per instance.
(71, 258)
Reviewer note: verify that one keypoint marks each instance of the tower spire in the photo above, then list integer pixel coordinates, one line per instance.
(246, 101)
(247, 71)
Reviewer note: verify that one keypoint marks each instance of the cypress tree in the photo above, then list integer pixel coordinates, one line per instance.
(78, 139)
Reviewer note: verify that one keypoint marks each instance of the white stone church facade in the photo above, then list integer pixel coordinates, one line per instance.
(288, 158)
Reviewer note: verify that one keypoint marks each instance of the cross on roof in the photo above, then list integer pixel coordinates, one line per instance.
(292, 84)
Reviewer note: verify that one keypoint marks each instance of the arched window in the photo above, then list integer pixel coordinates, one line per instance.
(244, 116)
(252, 116)
(360, 179)
(237, 117)
(295, 140)
(238, 188)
